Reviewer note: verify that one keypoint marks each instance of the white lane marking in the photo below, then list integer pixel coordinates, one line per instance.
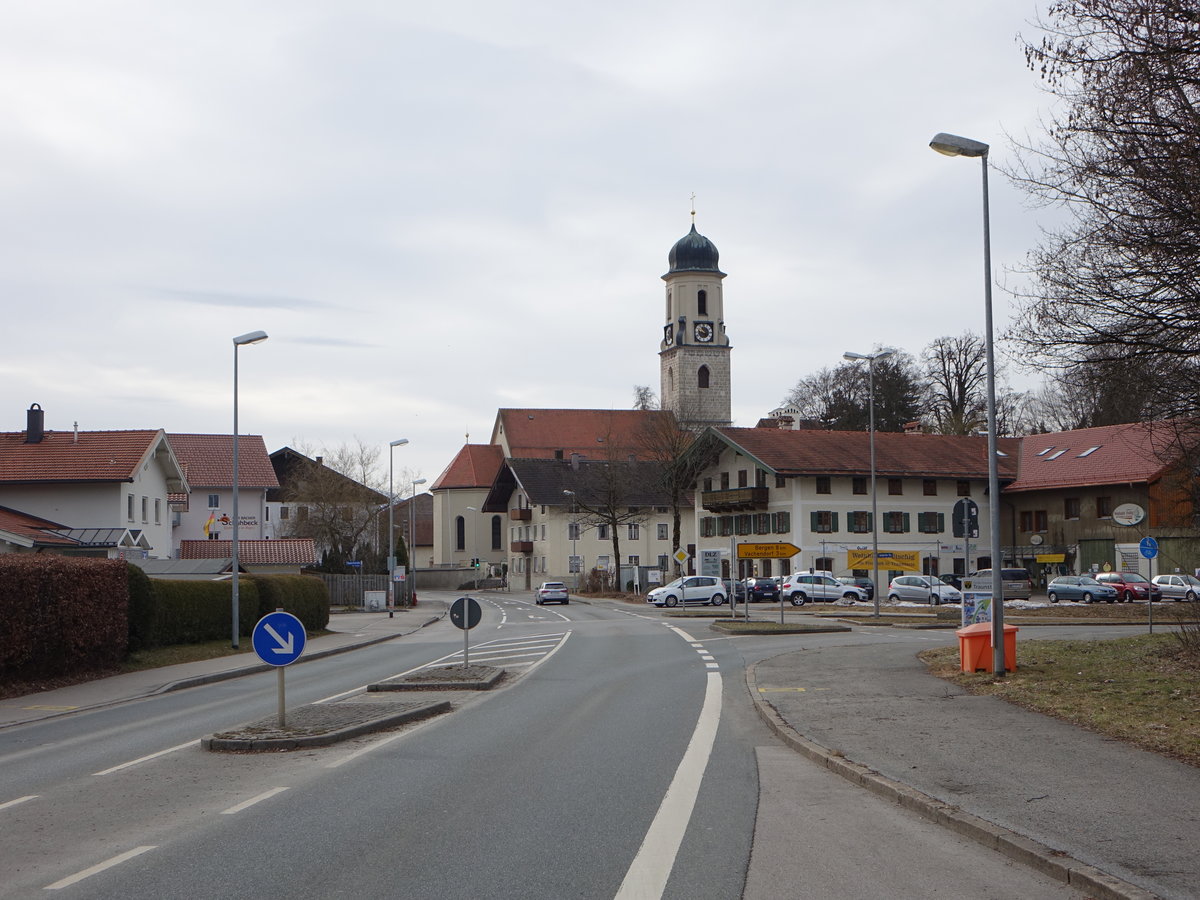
(99, 867)
(18, 801)
(647, 877)
(142, 759)
(245, 804)
(383, 742)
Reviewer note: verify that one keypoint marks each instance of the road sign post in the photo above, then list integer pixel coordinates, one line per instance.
(1148, 547)
(278, 639)
(465, 613)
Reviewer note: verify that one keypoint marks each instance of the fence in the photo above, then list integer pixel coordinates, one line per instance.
(350, 590)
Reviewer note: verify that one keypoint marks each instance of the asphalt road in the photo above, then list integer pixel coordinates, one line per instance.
(627, 763)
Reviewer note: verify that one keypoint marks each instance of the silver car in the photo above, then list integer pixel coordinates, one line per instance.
(923, 589)
(801, 587)
(1178, 587)
(693, 589)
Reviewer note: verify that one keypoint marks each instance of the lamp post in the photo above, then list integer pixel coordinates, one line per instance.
(253, 337)
(870, 358)
(953, 145)
(574, 535)
(391, 557)
(412, 531)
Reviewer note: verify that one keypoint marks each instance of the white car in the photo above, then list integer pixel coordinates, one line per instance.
(552, 592)
(692, 589)
(923, 589)
(1178, 587)
(801, 587)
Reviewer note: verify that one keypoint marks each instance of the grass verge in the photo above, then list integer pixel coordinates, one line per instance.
(1143, 690)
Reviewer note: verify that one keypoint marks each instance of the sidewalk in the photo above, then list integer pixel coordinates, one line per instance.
(1114, 820)
(350, 631)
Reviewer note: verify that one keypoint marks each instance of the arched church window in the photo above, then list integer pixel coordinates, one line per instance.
(668, 303)
(460, 533)
(497, 537)
(702, 377)
(702, 303)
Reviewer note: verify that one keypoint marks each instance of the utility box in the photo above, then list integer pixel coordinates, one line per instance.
(975, 647)
(375, 600)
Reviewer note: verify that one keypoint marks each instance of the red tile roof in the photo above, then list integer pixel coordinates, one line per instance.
(593, 433)
(67, 456)
(808, 452)
(288, 551)
(208, 460)
(1111, 454)
(475, 465)
(38, 530)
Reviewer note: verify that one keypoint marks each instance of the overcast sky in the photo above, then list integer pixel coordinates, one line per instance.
(436, 210)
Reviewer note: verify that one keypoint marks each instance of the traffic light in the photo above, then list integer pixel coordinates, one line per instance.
(475, 563)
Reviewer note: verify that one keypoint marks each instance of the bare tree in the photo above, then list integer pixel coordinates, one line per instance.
(1119, 283)
(955, 375)
(643, 397)
(340, 495)
(610, 494)
(662, 440)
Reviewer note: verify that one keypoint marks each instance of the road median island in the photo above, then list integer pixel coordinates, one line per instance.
(444, 678)
(741, 626)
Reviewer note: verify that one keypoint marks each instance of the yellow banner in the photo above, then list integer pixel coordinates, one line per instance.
(1051, 557)
(903, 560)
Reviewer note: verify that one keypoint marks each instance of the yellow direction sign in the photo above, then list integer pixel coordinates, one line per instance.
(781, 550)
(905, 560)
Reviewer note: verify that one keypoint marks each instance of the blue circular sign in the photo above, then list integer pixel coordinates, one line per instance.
(1148, 547)
(279, 638)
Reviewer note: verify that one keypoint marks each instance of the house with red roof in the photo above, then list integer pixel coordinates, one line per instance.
(1084, 499)
(811, 488)
(106, 492)
(206, 512)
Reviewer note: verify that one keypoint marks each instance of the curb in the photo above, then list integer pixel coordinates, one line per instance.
(1098, 884)
(483, 684)
(259, 745)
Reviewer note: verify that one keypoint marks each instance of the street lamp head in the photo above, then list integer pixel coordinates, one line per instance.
(253, 337)
(953, 145)
(419, 481)
(398, 443)
(882, 353)
(569, 493)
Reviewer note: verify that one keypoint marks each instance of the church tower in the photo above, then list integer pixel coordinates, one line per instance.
(694, 353)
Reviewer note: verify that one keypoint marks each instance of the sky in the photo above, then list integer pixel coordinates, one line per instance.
(439, 210)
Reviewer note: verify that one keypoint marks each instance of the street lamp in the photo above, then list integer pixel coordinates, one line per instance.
(953, 145)
(253, 337)
(574, 535)
(412, 562)
(870, 358)
(391, 558)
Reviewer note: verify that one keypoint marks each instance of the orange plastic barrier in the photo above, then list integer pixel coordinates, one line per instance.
(975, 647)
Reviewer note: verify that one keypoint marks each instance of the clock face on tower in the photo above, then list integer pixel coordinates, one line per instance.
(703, 332)
(668, 335)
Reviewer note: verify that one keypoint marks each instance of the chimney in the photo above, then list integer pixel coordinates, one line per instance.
(35, 421)
(912, 427)
(320, 460)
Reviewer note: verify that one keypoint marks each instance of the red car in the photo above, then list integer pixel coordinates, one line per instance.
(1130, 586)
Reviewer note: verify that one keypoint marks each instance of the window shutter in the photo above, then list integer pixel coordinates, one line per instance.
(921, 522)
(941, 522)
(906, 526)
(813, 522)
(835, 522)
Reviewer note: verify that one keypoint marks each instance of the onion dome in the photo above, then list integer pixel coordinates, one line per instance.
(694, 253)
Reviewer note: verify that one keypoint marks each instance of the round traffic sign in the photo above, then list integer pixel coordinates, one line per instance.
(278, 638)
(1148, 547)
(465, 612)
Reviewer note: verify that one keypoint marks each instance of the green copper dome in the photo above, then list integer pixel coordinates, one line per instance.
(694, 253)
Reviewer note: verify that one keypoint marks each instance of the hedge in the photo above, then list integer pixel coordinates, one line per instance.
(61, 614)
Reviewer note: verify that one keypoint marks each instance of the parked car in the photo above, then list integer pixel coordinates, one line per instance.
(692, 589)
(1017, 583)
(1178, 587)
(1080, 587)
(858, 581)
(801, 587)
(552, 592)
(922, 589)
(1130, 586)
(954, 579)
(762, 589)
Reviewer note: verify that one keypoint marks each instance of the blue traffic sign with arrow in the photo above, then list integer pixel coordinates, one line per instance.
(279, 638)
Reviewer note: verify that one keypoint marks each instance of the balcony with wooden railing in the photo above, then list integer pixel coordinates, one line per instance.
(520, 515)
(521, 546)
(735, 499)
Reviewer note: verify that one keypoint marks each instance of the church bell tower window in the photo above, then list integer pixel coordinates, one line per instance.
(702, 303)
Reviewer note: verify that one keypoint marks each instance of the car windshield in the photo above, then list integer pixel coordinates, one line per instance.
(554, 585)
(1133, 578)
(1189, 579)
(1088, 581)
